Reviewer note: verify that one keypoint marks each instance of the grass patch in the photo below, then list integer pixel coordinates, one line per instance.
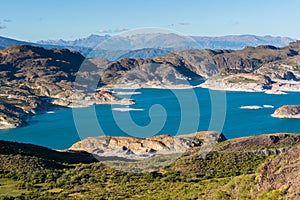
(9, 187)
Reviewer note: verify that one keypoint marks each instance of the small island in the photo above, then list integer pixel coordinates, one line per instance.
(287, 111)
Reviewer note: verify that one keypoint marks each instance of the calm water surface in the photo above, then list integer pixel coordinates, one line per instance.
(179, 116)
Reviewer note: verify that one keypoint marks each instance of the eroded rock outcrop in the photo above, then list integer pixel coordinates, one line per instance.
(130, 147)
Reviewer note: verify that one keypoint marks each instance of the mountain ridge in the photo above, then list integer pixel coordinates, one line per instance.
(116, 47)
(203, 41)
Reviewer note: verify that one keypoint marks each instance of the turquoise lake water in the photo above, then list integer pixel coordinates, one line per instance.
(173, 112)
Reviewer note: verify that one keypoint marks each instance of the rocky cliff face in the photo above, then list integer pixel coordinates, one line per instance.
(130, 147)
(287, 111)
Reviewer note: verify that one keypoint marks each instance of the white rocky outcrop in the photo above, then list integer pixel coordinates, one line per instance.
(131, 147)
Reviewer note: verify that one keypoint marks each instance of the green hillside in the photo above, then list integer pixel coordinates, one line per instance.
(234, 169)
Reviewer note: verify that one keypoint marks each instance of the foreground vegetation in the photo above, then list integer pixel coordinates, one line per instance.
(227, 172)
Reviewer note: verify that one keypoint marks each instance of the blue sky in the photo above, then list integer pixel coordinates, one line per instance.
(33, 20)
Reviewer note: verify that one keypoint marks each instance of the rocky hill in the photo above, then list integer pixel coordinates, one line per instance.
(251, 69)
(28, 76)
(34, 79)
(287, 111)
(264, 68)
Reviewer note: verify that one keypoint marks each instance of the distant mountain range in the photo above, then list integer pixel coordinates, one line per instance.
(4, 42)
(150, 45)
(89, 42)
(171, 40)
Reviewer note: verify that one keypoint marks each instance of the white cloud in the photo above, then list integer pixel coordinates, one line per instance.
(117, 30)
